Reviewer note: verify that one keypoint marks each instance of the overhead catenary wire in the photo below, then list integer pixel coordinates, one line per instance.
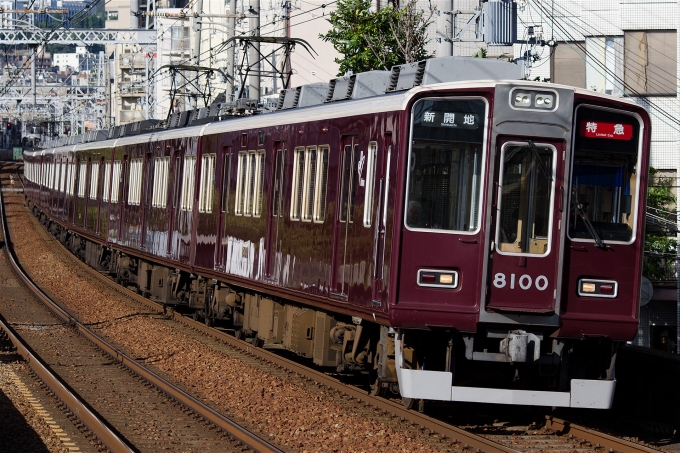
(571, 42)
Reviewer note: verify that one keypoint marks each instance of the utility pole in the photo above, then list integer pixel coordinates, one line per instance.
(254, 52)
(197, 41)
(445, 28)
(231, 32)
(287, 70)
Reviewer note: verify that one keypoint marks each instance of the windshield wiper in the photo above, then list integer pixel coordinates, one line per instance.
(578, 207)
(537, 157)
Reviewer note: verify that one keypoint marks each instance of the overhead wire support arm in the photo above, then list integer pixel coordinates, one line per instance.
(247, 67)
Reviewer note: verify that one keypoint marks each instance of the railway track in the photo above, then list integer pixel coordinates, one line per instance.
(126, 415)
(555, 435)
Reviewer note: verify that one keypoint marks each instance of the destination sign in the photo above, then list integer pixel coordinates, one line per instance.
(432, 118)
(612, 131)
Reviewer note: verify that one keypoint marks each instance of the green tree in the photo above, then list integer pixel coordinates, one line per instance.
(377, 40)
(660, 248)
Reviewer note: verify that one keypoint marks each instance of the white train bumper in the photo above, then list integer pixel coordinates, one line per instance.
(437, 385)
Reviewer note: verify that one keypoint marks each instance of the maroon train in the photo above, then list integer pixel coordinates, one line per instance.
(456, 232)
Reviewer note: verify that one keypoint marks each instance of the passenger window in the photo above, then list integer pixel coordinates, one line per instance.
(322, 184)
(188, 183)
(370, 182)
(309, 191)
(205, 195)
(107, 181)
(81, 179)
(298, 183)
(94, 180)
(115, 180)
(160, 182)
(135, 184)
(259, 184)
(242, 175)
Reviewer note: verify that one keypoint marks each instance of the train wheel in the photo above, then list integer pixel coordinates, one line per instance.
(377, 388)
(240, 334)
(208, 322)
(257, 341)
(195, 316)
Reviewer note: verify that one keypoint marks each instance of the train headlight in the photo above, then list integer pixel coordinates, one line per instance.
(529, 99)
(598, 288)
(544, 101)
(522, 99)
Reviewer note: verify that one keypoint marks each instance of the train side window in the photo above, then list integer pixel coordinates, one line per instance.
(188, 183)
(242, 175)
(298, 183)
(207, 188)
(322, 183)
(370, 182)
(107, 181)
(250, 183)
(81, 179)
(71, 178)
(309, 188)
(115, 180)
(94, 180)
(62, 175)
(160, 183)
(258, 188)
(226, 178)
(135, 186)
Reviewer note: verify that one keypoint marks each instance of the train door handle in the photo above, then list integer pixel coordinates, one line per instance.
(561, 202)
(468, 241)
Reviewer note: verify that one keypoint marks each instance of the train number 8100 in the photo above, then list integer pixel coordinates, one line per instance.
(524, 282)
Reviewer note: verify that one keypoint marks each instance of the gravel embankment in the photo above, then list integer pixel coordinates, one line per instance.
(288, 415)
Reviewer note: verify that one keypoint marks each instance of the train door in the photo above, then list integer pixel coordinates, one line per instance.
(523, 265)
(176, 194)
(274, 239)
(344, 219)
(382, 182)
(225, 180)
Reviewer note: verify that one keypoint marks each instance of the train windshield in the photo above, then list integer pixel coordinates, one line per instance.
(445, 165)
(604, 180)
(527, 181)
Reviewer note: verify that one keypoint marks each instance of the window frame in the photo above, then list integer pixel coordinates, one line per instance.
(188, 183)
(483, 169)
(369, 186)
(297, 186)
(206, 192)
(321, 191)
(636, 202)
(551, 202)
(94, 180)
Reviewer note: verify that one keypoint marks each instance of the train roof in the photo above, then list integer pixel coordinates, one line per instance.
(360, 94)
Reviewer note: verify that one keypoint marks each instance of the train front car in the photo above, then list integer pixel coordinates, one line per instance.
(521, 245)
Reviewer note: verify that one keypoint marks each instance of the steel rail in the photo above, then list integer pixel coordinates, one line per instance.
(248, 438)
(72, 401)
(611, 443)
